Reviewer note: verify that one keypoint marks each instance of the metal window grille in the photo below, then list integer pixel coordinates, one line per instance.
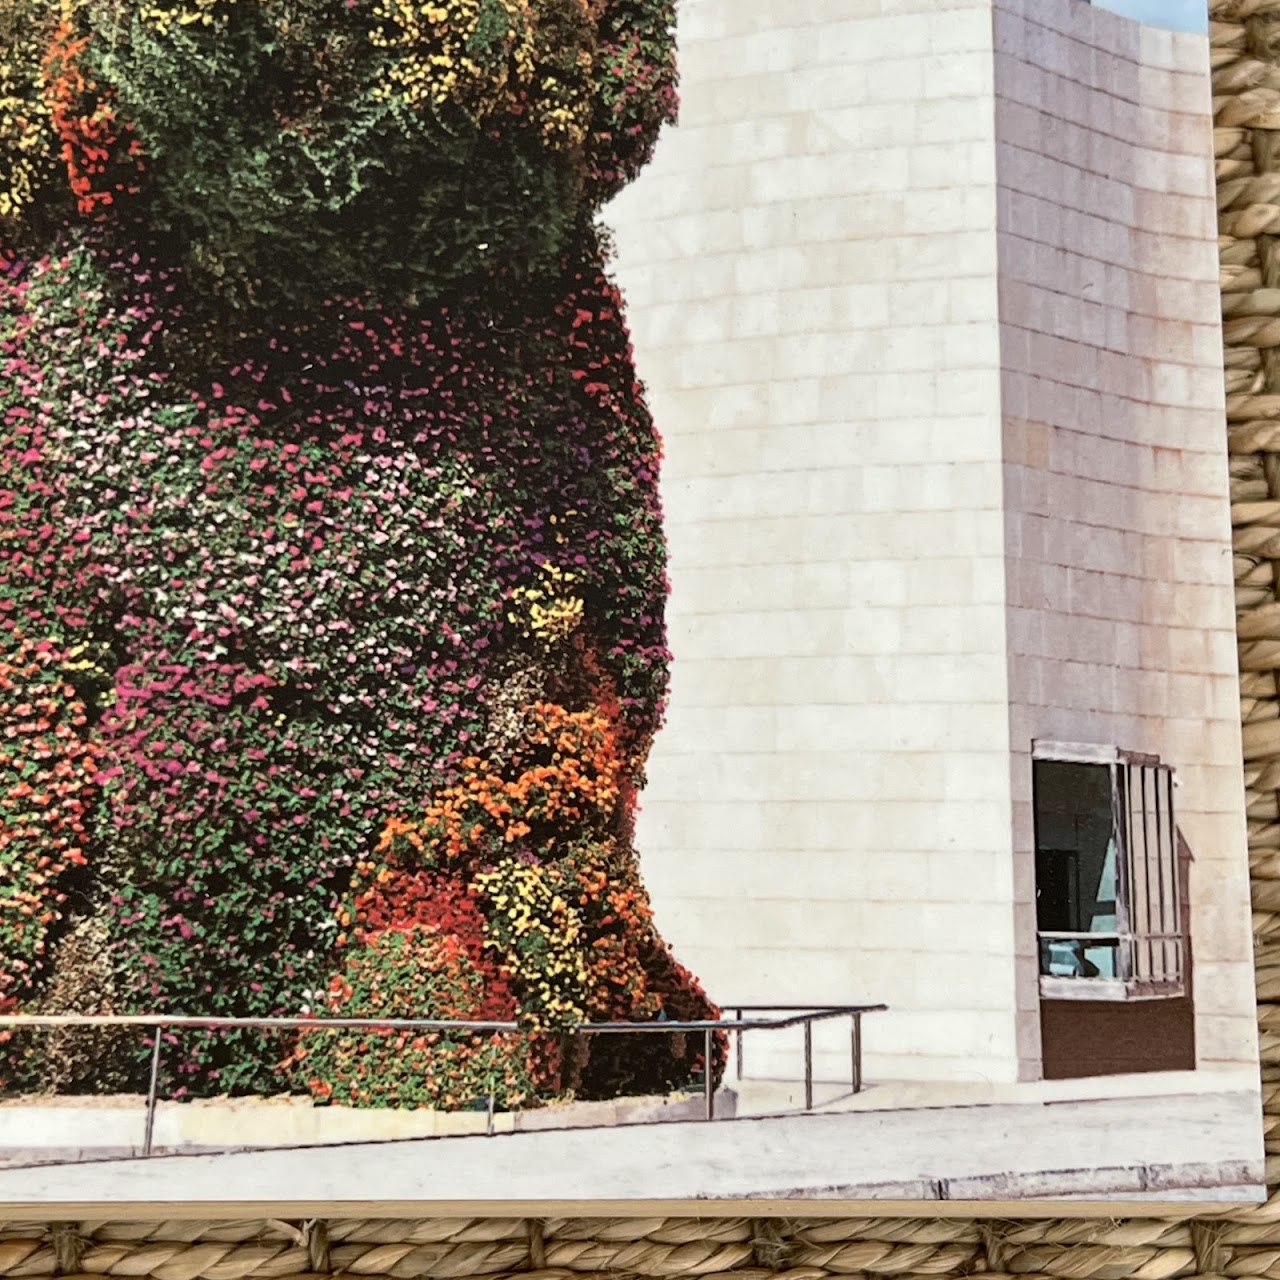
(1149, 938)
(1150, 906)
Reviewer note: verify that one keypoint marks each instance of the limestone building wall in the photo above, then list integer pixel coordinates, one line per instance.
(818, 268)
(1121, 613)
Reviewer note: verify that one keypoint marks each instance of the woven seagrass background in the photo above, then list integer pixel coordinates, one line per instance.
(1243, 1242)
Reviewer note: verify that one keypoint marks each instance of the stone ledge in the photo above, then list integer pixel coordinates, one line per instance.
(1231, 1180)
(54, 1132)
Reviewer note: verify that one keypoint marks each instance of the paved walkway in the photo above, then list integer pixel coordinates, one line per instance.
(1172, 1147)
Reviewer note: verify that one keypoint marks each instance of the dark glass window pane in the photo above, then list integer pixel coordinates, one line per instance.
(1075, 848)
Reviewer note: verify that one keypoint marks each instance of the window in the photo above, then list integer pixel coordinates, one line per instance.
(1108, 893)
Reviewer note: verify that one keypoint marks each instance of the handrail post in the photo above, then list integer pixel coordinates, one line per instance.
(708, 1075)
(738, 1039)
(151, 1093)
(855, 1039)
(808, 1065)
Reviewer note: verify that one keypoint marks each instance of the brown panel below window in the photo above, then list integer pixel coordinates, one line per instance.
(1111, 1037)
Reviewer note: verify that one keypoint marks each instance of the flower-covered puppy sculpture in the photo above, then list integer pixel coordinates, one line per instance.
(332, 569)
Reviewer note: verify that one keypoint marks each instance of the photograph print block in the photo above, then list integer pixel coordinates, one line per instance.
(550, 655)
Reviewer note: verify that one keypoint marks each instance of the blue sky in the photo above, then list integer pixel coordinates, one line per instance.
(1184, 15)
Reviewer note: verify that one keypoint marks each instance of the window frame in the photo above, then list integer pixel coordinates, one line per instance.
(1160, 981)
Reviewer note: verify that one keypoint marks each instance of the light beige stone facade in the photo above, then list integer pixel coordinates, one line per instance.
(924, 293)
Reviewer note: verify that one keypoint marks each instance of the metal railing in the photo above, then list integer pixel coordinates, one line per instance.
(792, 1016)
(806, 1016)
(1157, 975)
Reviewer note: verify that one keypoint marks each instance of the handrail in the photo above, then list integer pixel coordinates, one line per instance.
(794, 1015)
(1111, 935)
(802, 1013)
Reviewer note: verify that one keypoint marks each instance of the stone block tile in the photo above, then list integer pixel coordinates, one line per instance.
(1227, 1039)
(1190, 55)
(946, 165)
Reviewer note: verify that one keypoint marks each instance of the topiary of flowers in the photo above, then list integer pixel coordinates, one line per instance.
(332, 570)
(316, 147)
(46, 778)
(396, 974)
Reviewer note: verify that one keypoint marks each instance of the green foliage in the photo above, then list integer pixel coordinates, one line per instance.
(413, 973)
(296, 149)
